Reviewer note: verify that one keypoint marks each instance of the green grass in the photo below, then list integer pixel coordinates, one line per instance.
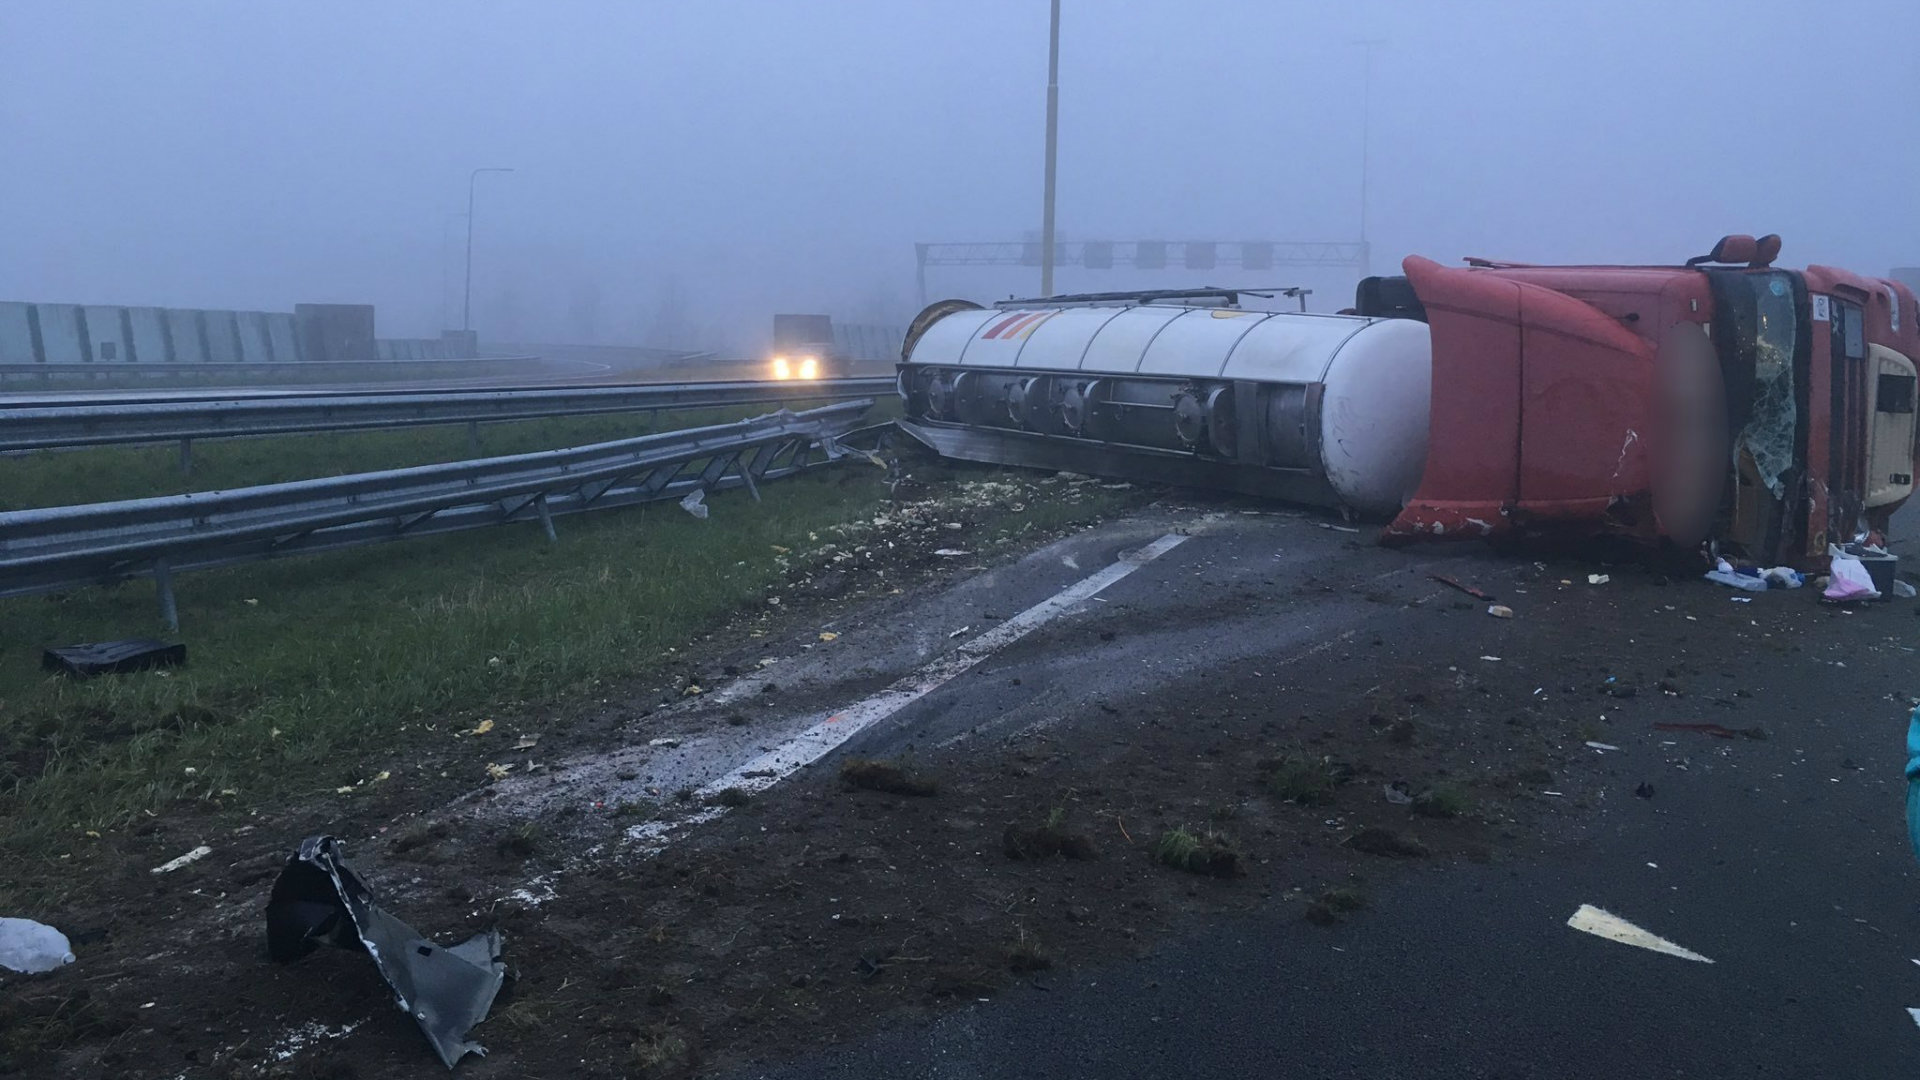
(1209, 854)
(1301, 778)
(316, 672)
(99, 474)
(1443, 800)
(323, 671)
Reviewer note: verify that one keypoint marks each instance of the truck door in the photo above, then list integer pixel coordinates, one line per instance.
(1890, 415)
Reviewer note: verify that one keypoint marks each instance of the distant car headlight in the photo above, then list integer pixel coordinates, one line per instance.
(809, 368)
(781, 369)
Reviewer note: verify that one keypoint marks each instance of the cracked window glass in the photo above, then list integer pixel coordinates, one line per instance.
(1768, 436)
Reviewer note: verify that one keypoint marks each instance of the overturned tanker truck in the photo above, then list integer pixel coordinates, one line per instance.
(1768, 410)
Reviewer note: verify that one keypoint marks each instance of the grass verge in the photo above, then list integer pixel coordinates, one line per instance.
(319, 680)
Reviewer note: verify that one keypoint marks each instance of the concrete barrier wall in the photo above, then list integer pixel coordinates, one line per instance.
(76, 334)
(106, 336)
(188, 337)
(280, 335)
(256, 345)
(148, 326)
(16, 334)
(62, 335)
(223, 336)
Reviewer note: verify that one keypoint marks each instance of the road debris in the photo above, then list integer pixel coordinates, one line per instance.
(1399, 793)
(1746, 577)
(190, 857)
(446, 990)
(480, 728)
(497, 771)
(696, 503)
(1500, 611)
(1902, 590)
(1455, 583)
(1718, 731)
(1598, 579)
(112, 657)
(1592, 920)
(525, 742)
(1849, 578)
(1601, 746)
(959, 632)
(31, 947)
(1329, 526)
(951, 553)
(828, 635)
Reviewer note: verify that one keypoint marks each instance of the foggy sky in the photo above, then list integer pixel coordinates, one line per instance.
(685, 169)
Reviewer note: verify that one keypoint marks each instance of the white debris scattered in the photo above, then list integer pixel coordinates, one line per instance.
(959, 632)
(951, 553)
(1495, 659)
(1601, 745)
(1598, 579)
(695, 503)
(1592, 920)
(306, 1035)
(31, 947)
(193, 856)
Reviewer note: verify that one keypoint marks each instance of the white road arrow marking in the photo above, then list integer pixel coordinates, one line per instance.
(1599, 923)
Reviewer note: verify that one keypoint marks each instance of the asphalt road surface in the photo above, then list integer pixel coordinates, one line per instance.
(1784, 862)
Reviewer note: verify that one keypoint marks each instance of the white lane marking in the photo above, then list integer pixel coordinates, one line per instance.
(1614, 928)
(822, 738)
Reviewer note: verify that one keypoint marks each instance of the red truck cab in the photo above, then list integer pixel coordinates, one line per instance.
(1770, 410)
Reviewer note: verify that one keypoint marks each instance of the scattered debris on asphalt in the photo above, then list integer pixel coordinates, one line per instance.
(193, 856)
(1399, 793)
(112, 657)
(318, 899)
(1601, 746)
(1592, 920)
(1718, 731)
(31, 947)
(1598, 579)
(1455, 583)
(696, 503)
(1500, 611)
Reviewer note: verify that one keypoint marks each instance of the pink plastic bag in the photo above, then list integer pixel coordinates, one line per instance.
(1850, 580)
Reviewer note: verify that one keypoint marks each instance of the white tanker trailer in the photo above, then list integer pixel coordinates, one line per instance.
(1188, 388)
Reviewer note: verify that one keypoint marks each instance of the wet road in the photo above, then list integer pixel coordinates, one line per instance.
(1782, 861)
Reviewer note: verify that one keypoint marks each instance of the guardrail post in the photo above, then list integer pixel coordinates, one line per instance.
(163, 585)
(186, 457)
(546, 517)
(746, 473)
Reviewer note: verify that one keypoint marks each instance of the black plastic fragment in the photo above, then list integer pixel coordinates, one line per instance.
(112, 657)
(319, 899)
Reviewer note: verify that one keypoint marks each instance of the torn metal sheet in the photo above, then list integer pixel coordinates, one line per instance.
(112, 657)
(319, 899)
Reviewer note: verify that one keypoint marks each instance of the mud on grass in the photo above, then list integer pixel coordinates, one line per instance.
(353, 685)
(808, 914)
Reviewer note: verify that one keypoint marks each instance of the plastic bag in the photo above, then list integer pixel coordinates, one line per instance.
(1850, 579)
(1738, 581)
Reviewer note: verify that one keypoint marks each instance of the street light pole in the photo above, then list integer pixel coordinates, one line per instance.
(466, 302)
(1366, 145)
(1053, 126)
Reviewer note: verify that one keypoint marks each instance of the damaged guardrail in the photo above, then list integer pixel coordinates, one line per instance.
(63, 547)
(94, 423)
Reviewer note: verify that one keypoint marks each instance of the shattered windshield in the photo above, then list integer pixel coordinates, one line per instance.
(1769, 435)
